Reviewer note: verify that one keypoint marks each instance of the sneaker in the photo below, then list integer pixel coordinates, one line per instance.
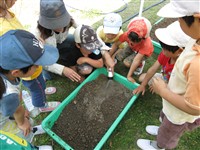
(147, 144)
(50, 90)
(44, 147)
(139, 70)
(153, 130)
(50, 106)
(38, 130)
(160, 119)
(35, 112)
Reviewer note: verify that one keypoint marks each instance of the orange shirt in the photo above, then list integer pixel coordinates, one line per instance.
(144, 47)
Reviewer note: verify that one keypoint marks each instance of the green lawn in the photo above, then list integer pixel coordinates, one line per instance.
(144, 111)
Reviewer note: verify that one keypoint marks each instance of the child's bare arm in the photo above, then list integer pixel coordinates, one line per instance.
(95, 63)
(160, 87)
(108, 61)
(150, 73)
(114, 47)
(136, 62)
(22, 122)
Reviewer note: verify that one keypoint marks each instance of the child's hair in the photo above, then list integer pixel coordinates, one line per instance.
(169, 48)
(2, 87)
(188, 20)
(134, 37)
(24, 70)
(45, 33)
(3, 10)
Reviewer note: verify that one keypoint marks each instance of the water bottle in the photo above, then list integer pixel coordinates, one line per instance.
(110, 73)
(34, 111)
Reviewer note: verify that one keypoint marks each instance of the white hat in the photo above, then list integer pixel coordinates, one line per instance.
(172, 35)
(112, 23)
(180, 8)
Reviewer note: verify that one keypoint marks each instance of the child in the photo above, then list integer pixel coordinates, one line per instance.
(8, 20)
(21, 62)
(108, 34)
(111, 30)
(139, 46)
(89, 55)
(172, 40)
(53, 27)
(15, 141)
(35, 83)
(181, 97)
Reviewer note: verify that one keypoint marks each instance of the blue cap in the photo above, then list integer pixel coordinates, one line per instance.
(20, 48)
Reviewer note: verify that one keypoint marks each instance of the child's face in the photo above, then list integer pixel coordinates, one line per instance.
(194, 30)
(110, 36)
(132, 43)
(170, 54)
(85, 52)
(30, 72)
(60, 30)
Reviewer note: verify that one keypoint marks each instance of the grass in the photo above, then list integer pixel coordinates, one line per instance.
(145, 110)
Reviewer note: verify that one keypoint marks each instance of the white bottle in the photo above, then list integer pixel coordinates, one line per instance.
(110, 73)
(34, 111)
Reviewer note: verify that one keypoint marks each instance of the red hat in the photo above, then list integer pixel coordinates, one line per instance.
(141, 26)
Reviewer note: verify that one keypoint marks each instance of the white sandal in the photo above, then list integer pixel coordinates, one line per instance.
(50, 90)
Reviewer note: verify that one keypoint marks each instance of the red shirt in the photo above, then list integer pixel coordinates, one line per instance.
(166, 67)
(144, 47)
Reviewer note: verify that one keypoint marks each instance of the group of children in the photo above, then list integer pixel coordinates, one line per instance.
(51, 48)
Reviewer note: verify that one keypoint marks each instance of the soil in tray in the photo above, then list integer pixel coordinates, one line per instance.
(85, 120)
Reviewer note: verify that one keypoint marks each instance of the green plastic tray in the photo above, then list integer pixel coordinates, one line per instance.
(49, 121)
(157, 47)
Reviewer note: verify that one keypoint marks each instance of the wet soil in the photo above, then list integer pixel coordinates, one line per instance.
(85, 120)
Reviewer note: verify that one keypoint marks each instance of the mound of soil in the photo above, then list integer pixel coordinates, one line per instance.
(85, 120)
(163, 24)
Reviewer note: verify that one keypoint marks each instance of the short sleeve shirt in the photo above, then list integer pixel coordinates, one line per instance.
(166, 66)
(102, 35)
(10, 100)
(144, 47)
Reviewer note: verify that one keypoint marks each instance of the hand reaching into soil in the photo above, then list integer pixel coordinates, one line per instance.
(71, 74)
(131, 79)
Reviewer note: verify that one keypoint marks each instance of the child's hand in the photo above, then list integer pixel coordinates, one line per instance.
(71, 74)
(131, 79)
(82, 60)
(110, 63)
(196, 47)
(25, 127)
(26, 114)
(139, 89)
(158, 85)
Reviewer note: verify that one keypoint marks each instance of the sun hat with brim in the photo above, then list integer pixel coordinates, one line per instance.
(172, 35)
(53, 14)
(20, 48)
(112, 23)
(140, 25)
(179, 8)
(87, 38)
